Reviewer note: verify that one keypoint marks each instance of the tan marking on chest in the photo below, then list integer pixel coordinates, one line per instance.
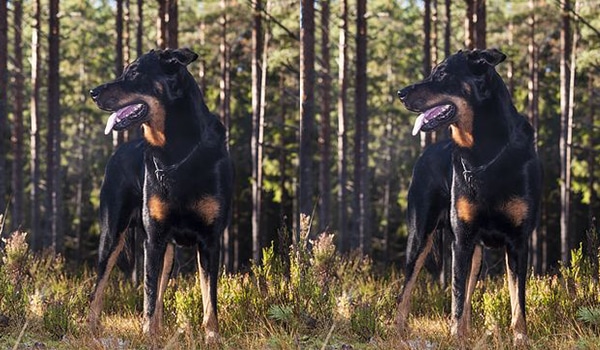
(208, 208)
(466, 210)
(154, 129)
(158, 208)
(516, 210)
(462, 130)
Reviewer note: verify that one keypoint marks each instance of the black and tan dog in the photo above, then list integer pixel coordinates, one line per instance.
(176, 182)
(484, 183)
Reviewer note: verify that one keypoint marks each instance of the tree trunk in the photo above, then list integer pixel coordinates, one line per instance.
(426, 137)
(469, 25)
(307, 109)
(161, 25)
(565, 168)
(19, 89)
(119, 137)
(480, 23)
(342, 138)
(4, 132)
(139, 34)
(34, 137)
(172, 24)
(532, 104)
(224, 108)
(447, 28)
(254, 145)
(361, 168)
(325, 137)
(53, 178)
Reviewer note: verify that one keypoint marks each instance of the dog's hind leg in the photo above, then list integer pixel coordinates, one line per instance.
(420, 240)
(516, 271)
(208, 273)
(109, 253)
(474, 275)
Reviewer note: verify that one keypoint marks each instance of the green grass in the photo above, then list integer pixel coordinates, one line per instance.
(317, 300)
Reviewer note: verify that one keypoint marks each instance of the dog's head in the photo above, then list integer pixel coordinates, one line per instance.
(455, 87)
(146, 87)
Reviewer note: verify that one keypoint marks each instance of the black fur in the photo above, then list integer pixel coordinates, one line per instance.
(484, 183)
(176, 182)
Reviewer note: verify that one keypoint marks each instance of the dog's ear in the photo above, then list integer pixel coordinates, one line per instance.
(184, 56)
(173, 59)
(481, 60)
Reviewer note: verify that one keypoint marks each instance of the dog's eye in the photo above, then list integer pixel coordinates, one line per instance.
(132, 74)
(441, 75)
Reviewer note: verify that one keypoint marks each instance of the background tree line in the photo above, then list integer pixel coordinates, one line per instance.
(307, 93)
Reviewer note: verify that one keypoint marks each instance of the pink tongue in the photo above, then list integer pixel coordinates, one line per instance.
(426, 116)
(117, 117)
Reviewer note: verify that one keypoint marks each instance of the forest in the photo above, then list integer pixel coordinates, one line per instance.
(321, 144)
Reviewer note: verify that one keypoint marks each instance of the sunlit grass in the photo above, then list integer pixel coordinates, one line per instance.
(317, 300)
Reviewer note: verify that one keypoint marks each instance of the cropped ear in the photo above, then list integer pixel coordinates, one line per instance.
(173, 59)
(184, 56)
(481, 60)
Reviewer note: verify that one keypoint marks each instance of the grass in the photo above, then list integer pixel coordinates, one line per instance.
(312, 300)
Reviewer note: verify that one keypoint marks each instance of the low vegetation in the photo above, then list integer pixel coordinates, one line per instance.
(311, 299)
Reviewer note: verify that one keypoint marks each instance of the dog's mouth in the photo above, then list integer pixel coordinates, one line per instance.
(434, 117)
(126, 117)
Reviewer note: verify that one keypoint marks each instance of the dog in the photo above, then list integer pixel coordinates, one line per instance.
(484, 182)
(175, 183)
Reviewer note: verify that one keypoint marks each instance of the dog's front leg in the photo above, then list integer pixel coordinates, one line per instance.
(516, 271)
(466, 264)
(208, 273)
(154, 259)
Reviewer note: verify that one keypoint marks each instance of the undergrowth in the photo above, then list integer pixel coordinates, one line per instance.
(311, 299)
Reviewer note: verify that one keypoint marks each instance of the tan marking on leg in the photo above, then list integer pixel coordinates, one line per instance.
(517, 322)
(208, 208)
(404, 305)
(158, 208)
(516, 210)
(164, 282)
(475, 268)
(209, 320)
(465, 209)
(98, 296)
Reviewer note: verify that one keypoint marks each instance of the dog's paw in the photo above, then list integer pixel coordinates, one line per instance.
(212, 338)
(520, 340)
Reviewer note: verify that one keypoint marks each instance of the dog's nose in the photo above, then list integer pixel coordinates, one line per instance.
(94, 93)
(403, 93)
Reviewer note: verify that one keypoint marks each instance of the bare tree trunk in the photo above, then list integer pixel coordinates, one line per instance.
(172, 24)
(307, 107)
(532, 103)
(161, 25)
(325, 137)
(34, 138)
(469, 24)
(565, 164)
(426, 137)
(225, 104)
(119, 137)
(447, 28)
(202, 59)
(434, 32)
(342, 138)
(254, 145)
(593, 229)
(19, 88)
(54, 136)
(510, 66)
(4, 132)
(361, 172)
(139, 42)
(480, 24)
